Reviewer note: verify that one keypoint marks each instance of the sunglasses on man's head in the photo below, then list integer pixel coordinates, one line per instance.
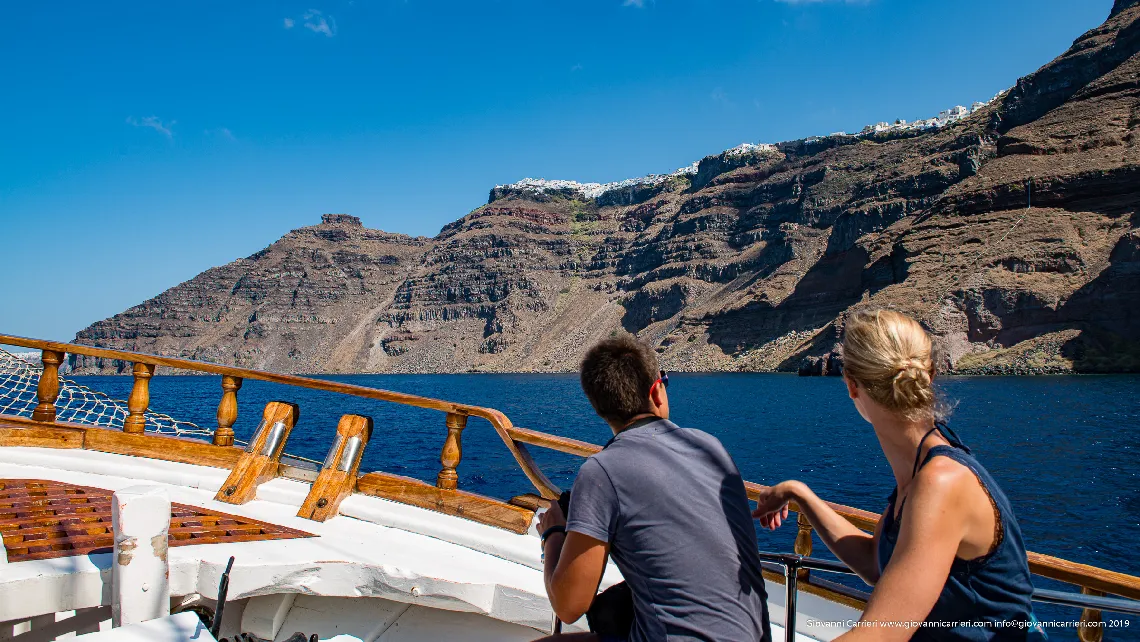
(663, 380)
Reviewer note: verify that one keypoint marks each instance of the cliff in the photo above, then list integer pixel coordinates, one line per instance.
(749, 260)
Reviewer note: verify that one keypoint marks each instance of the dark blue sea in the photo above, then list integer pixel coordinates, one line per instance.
(1065, 449)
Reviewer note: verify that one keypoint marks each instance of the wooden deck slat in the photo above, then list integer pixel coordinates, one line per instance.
(42, 519)
(91, 528)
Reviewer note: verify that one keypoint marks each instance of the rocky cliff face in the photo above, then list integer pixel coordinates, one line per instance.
(749, 261)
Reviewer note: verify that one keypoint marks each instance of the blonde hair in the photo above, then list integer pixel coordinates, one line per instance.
(891, 356)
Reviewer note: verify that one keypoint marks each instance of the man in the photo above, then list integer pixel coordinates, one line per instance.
(667, 503)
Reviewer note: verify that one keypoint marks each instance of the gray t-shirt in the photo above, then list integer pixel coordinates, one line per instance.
(671, 503)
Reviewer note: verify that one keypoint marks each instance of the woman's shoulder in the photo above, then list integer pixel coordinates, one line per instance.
(945, 479)
(951, 490)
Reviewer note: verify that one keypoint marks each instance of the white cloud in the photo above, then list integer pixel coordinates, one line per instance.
(154, 123)
(316, 22)
(288, 23)
(640, 4)
(577, 67)
(821, 1)
(222, 132)
(720, 96)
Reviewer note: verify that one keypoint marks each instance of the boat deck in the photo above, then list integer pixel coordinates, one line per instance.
(413, 574)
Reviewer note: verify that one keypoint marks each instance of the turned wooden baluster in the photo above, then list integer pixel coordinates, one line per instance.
(47, 391)
(452, 452)
(227, 411)
(1090, 629)
(803, 541)
(139, 400)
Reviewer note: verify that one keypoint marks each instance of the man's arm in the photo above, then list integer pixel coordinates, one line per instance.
(573, 567)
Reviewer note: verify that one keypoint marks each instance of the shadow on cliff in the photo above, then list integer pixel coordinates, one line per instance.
(1107, 310)
(832, 285)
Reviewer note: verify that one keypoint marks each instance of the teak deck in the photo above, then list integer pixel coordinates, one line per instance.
(42, 519)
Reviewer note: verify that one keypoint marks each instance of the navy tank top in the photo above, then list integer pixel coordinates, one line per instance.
(984, 599)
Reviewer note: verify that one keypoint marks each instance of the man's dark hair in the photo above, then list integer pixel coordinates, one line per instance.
(617, 374)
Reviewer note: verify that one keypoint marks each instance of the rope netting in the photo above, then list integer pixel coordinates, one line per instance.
(76, 403)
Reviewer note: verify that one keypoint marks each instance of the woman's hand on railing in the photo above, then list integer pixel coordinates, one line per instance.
(854, 547)
(772, 506)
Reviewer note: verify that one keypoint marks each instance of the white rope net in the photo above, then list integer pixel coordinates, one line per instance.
(76, 403)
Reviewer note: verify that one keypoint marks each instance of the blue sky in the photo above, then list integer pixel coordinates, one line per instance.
(144, 142)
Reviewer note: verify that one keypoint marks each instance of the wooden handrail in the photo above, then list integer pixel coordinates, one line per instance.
(245, 373)
(1083, 575)
(516, 440)
(553, 442)
(498, 420)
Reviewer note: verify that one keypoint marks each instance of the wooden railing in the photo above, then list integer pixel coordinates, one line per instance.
(144, 366)
(444, 496)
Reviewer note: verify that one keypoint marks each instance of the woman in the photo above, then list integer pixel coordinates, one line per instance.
(947, 557)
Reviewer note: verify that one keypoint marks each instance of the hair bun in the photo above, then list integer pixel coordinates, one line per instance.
(890, 354)
(911, 386)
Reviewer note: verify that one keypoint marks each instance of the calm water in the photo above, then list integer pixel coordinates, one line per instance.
(1065, 449)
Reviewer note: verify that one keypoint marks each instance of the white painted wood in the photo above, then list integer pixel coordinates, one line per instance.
(140, 518)
(136, 469)
(33, 588)
(231, 620)
(360, 618)
(264, 615)
(64, 625)
(420, 624)
(350, 558)
(181, 627)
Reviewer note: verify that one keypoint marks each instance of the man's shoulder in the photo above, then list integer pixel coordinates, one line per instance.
(595, 466)
(663, 437)
(695, 435)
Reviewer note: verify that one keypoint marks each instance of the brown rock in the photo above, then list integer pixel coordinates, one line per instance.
(751, 264)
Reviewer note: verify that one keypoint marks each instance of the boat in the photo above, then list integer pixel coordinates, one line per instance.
(114, 530)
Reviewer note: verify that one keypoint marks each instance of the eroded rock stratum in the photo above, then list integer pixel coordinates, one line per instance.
(749, 262)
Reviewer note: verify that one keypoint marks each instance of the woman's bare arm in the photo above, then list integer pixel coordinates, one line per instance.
(853, 547)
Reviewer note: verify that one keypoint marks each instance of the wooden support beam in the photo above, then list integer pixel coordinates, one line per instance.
(21, 431)
(139, 400)
(227, 411)
(337, 479)
(259, 463)
(530, 501)
(451, 502)
(47, 390)
(162, 447)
